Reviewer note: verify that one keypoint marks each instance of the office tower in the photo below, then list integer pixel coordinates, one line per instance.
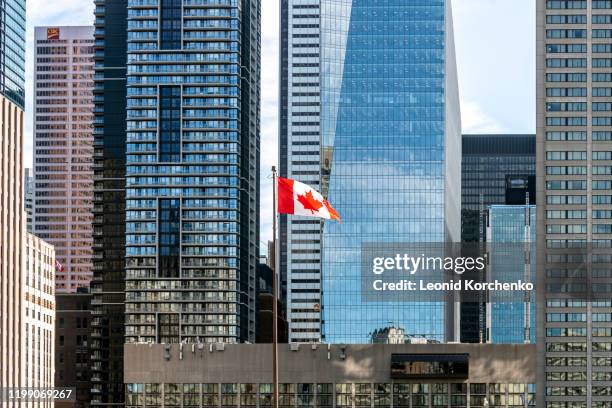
(63, 188)
(12, 220)
(72, 351)
(496, 169)
(373, 123)
(29, 194)
(192, 193)
(574, 202)
(511, 238)
(39, 316)
(299, 158)
(107, 284)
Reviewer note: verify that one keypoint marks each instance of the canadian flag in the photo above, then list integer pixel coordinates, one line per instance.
(58, 266)
(299, 199)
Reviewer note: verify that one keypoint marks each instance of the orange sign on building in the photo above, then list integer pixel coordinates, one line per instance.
(53, 33)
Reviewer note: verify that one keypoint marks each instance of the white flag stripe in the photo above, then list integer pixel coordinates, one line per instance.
(300, 189)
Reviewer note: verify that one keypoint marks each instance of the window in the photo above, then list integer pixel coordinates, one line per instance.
(170, 25)
(170, 124)
(565, 4)
(169, 238)
(566, 19)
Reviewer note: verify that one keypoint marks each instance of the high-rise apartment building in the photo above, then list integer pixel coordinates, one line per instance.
(29, 197)
(108, 281)
(373, 122)
(39, 317)
(192, 191)
(496, 169)
(12, 219)
(63, 178)
(574, 202)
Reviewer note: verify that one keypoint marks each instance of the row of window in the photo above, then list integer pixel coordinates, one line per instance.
(578, 77)
(576, 63)
(578, 332)
(577, 4)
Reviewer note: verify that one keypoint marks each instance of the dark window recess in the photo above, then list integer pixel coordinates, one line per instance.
(170, 27)
(170, 124)
(168, 328)
(438, 366)
(169, 238)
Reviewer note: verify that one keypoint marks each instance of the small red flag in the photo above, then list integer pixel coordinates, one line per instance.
(58, 266)
(300, 199)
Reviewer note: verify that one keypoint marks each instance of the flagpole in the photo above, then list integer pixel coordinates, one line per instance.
(274, 297)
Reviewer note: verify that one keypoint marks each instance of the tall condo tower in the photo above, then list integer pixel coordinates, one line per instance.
(108, 281)
(192, 174)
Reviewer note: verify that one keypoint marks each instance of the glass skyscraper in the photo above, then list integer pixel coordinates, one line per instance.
(12, 50)
(511, 235)
(390, 153)
(192, 215)
(496, 169)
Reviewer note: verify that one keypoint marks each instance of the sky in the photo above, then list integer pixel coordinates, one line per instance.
(495, 47)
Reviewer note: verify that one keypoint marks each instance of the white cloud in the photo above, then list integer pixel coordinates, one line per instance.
(475, 120)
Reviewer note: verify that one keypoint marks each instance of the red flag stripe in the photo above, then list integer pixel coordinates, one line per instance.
(285, 196)
(333, 213)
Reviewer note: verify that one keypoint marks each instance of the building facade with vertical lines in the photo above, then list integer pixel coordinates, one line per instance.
(12, 216)
(496, 169)
(300, 159)
(63, 149)
(109, 131)
(574, 203)
(371, 121)
(192, 194)
(39, 317)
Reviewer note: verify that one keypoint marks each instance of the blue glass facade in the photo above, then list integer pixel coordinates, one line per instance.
(192, 170)
(512, 224)
(391, 152)
(12, 50)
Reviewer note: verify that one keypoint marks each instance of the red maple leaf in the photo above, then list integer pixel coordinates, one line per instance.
(309, 202)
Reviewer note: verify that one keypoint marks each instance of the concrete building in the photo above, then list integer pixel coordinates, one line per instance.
(574, 203)
(352, 133)
(328, 376)
(29, 196)
(192, 197)
(12, 218)
(39, 317)
(72, 351)
(108, 281)
(63, 178)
